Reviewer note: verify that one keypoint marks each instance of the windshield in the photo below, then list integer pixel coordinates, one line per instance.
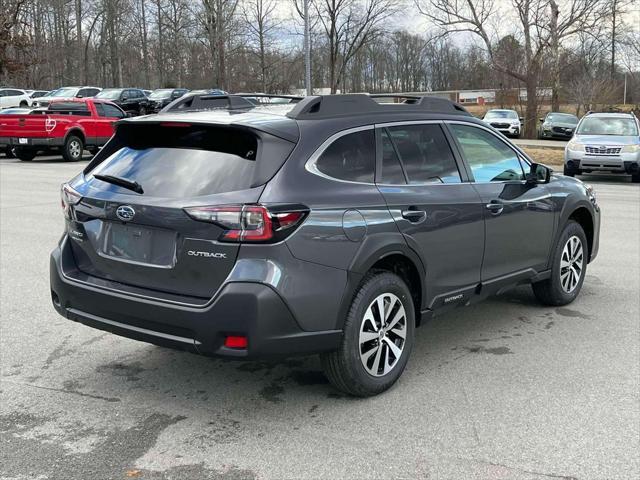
(562, 118)
(65, 92)
(501, 114)
(160, 94)
(109, 94)
(608, 126)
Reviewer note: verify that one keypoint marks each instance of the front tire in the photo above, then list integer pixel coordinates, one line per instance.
(569, 172)
(568, 270)
(73, 148)
(635, 178)
(378, 337)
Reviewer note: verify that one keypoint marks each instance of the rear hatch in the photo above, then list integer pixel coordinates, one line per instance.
(131, 225)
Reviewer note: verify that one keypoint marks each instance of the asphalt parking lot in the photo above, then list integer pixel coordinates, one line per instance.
(504, 389)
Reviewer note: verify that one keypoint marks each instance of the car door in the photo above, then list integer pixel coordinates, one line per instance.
(433, 205)
(108, 115)
(519, 216)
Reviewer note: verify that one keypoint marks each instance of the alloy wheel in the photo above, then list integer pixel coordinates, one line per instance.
(382, 334)
(571, 264)
(74, 149)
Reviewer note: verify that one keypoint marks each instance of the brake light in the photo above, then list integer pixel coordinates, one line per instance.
(68, 198)
(251, 223)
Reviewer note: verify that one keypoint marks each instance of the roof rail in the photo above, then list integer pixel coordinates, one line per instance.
(293, 98)
(207, 101)
(327, 106)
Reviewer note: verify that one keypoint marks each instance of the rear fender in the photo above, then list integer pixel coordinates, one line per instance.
(373, 249)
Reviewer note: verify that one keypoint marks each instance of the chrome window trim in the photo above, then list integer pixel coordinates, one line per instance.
(312, 167)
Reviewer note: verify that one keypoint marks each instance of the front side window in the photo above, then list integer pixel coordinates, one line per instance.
(425, 154)
(351, 157)
(490, 159)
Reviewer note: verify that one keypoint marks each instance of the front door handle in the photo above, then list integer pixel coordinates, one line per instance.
(414, 215)
(495, 207)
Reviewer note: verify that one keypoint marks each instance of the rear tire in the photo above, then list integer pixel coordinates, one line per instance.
(24, 155)
(375, 348)
(568, 270)
(8, 152)
(73, 148)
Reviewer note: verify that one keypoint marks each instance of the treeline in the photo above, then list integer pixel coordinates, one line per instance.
(583, 49)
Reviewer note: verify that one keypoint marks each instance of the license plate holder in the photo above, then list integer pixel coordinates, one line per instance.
(140, 245)
(23, 141)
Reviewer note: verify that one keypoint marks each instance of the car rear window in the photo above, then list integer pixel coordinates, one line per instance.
(182, 161)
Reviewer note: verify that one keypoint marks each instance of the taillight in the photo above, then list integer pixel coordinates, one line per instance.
(68, 197)
(251, 223)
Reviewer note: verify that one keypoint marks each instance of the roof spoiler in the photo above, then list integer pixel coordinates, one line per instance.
(328, 106)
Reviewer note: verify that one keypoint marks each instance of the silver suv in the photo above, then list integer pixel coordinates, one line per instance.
(605, 142)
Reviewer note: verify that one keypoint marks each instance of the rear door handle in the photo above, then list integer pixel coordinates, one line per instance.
(495, 207)
(414, 215)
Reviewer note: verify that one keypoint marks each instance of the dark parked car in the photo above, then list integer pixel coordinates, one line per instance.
(131, 100)
(558, 125)
(335, 225)
(162, 97)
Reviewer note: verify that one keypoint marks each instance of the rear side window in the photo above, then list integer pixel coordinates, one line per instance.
(425, 154)
(350, 158)
(112, 112)
(182, 162)
(392, 173)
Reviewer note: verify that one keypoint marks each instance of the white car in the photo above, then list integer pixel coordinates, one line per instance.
(505, 121)
(66, 92)
(13, 97)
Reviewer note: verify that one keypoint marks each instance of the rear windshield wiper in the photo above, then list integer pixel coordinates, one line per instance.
(121, 182)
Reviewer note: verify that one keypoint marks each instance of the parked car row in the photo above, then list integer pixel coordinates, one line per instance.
(555, 125)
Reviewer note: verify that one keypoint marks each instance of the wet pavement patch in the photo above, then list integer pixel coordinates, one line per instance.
(493, 351)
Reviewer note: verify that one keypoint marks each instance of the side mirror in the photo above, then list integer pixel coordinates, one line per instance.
(124, 98)
(79, 95)
(522, 119)
(541, 120)
(538, 174)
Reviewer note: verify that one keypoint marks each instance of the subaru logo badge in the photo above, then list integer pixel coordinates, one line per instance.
(125, 213)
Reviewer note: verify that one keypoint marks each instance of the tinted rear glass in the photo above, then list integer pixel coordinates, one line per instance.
(182, 162)
(351, 157)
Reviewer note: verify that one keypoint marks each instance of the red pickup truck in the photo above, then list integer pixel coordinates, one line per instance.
(68, 126)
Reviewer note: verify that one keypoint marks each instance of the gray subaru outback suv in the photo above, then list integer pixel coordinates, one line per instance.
(333, 225)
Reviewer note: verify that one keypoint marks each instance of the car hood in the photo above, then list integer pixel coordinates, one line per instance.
(562, 124)
(608, 139)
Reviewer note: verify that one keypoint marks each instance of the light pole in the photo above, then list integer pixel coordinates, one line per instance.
(307, 49)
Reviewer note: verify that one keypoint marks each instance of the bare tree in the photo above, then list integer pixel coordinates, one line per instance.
(540, 23)
(219, 16)
(260, 23)
(349, 25)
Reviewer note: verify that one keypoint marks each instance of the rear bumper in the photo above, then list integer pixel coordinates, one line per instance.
(248, 309)
(28, 142)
